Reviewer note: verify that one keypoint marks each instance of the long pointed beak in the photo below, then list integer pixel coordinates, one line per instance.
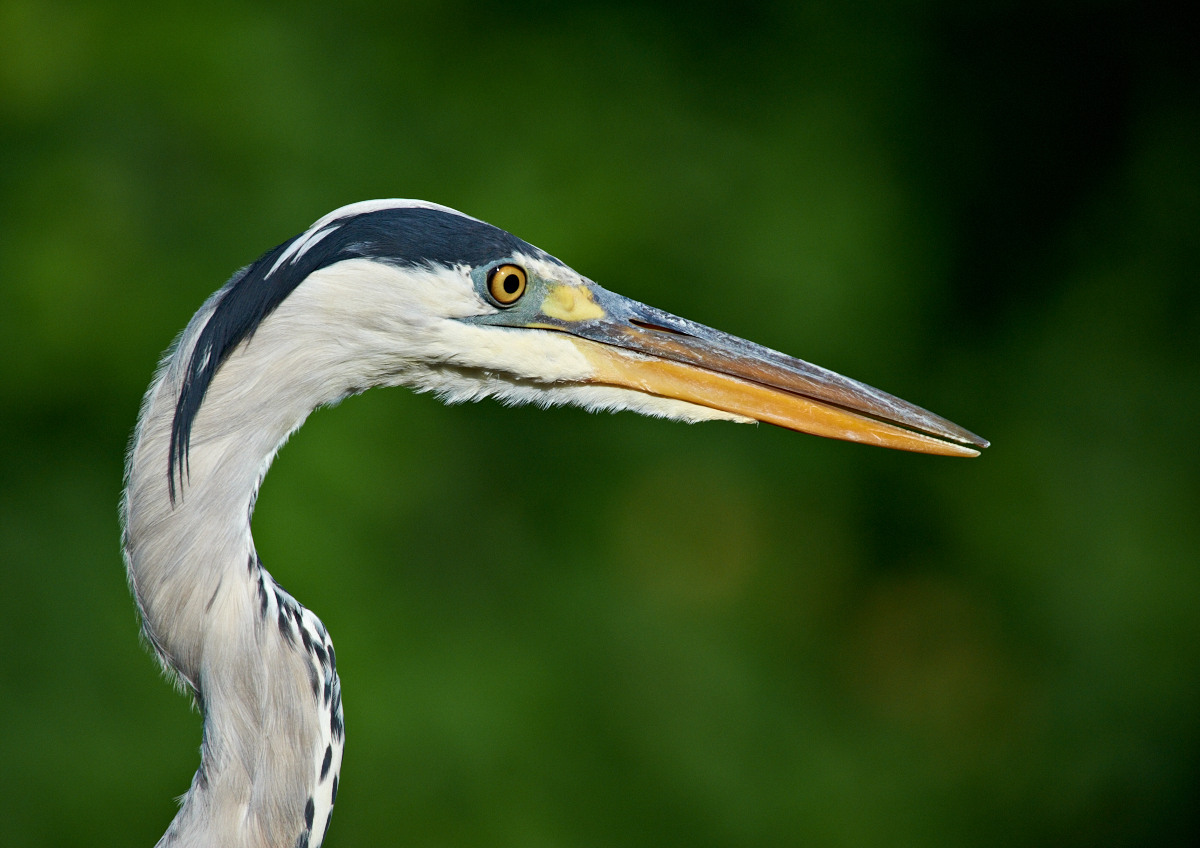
(639, 347)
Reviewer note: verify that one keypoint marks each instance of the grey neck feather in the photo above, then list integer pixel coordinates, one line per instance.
(260, 666)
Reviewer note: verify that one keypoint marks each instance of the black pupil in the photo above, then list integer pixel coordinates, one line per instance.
(511, 283)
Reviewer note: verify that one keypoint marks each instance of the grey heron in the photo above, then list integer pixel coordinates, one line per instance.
(385, 293)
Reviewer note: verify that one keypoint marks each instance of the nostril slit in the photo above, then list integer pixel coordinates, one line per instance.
(646, 325)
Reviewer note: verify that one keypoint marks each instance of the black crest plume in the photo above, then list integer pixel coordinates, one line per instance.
(404, 236)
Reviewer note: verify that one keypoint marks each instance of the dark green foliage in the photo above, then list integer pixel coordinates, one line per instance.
(560, 629)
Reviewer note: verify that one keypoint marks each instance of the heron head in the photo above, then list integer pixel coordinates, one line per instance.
(408, 292)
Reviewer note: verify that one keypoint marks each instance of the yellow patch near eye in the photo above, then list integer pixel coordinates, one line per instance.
(571, 303)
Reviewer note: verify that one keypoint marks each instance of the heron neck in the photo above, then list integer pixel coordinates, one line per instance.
(260, 666)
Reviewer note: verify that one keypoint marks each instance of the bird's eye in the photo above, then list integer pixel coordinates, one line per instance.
(506, 284)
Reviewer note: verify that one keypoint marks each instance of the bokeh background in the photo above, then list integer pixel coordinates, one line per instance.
(557, 629)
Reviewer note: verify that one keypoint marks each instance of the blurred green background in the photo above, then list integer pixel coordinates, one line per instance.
(557, 629)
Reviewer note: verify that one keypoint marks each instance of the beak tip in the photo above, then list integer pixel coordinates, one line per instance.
(979, 442)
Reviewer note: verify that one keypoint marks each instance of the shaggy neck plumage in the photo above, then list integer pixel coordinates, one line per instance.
(260, 666)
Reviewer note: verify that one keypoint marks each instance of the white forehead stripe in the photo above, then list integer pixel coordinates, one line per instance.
(365, 206)
(300, 246)
(321, 228)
